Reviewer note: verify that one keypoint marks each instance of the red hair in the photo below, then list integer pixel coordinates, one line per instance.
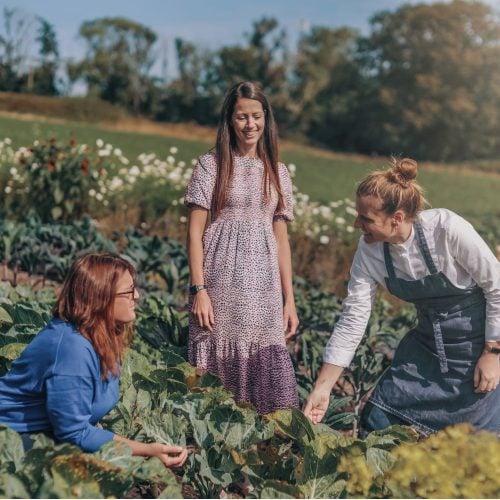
(87, 302)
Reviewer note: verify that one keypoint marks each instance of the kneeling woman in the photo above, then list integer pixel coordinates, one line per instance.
(67, 377)
(447, 369)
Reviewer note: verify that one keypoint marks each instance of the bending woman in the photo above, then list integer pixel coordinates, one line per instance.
(447, 369)
(242, 303)
(67, 378)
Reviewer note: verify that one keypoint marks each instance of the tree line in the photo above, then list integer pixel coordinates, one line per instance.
(425, 79)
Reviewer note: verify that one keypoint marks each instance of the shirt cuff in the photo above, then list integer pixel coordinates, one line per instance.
(95, 439)
(491, 333)
(337, 357)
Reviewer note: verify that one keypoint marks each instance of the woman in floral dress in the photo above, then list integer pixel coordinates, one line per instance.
(241, 296)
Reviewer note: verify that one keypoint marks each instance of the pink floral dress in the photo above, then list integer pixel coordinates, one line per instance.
(247, 348)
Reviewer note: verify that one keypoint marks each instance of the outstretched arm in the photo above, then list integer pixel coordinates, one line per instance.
(170, 455)
(317, 402)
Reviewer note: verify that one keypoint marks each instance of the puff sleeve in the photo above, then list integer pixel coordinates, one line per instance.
(200, 188)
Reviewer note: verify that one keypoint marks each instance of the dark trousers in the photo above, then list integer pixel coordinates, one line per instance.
(374, 418)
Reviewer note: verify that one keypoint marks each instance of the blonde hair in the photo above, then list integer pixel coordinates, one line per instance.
(396, 188)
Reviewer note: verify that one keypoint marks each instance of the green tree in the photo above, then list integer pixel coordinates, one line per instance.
(42, 79)
(435, 68)
(189, 97)
(118, 61)
(326, 86)
(15, 44)
(264, 59)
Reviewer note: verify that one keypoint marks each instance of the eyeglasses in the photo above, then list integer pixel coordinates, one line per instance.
(130, 294)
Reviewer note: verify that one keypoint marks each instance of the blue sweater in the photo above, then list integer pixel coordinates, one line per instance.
(56, 386)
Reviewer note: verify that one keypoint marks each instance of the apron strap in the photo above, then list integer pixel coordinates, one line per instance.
(424, 248)
(438, 339)
(388, 262)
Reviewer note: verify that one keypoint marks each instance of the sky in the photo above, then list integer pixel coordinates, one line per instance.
(209, 23)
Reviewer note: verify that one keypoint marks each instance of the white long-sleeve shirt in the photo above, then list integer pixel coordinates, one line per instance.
(457, 250)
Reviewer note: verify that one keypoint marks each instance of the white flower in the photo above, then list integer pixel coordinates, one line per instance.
(105, 203)
(92, 192)
(194, 161)
(134, 171)
(183, 219)
(117, 152)
(170, 159)
(99, 143)
(99, 197)
(182, 164)
(115, 183)
(103, 152)
(7, 140)
(173, 150)
(349, 229)
(340, 220)
(34, 166)
(174, 176)
(13, 171)
(351, 211)
(324, 239)
(8, 190)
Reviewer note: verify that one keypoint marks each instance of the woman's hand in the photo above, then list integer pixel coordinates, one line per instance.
(487, 372)
(290, 320)
(203, 310)
(316, 404)
(172, 456)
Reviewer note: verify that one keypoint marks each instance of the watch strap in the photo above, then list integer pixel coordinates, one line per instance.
(194, 289)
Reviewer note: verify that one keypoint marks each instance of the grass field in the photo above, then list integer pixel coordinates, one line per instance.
(325, 176)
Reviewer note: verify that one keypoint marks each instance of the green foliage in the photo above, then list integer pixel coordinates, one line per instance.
(55, 180)
(118, 59)
(458, 462)
(48, 250)
(233, 450)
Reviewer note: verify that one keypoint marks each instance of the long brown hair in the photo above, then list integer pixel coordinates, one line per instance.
(226, 144)
(87, 302)
(396, 187)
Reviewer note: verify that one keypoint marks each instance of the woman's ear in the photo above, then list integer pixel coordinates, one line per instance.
(398, 217)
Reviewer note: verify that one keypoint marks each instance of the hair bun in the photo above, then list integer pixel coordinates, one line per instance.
(404, 170)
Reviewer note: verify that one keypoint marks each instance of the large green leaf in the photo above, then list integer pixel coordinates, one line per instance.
(12, 351)
(379, 460)
(64, 482)
(278, 489)
(293, 423)
(165, 428)
(11, 447)
(5, 317)
(11, 486)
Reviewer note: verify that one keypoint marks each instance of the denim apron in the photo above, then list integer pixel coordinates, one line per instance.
(430, 381)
